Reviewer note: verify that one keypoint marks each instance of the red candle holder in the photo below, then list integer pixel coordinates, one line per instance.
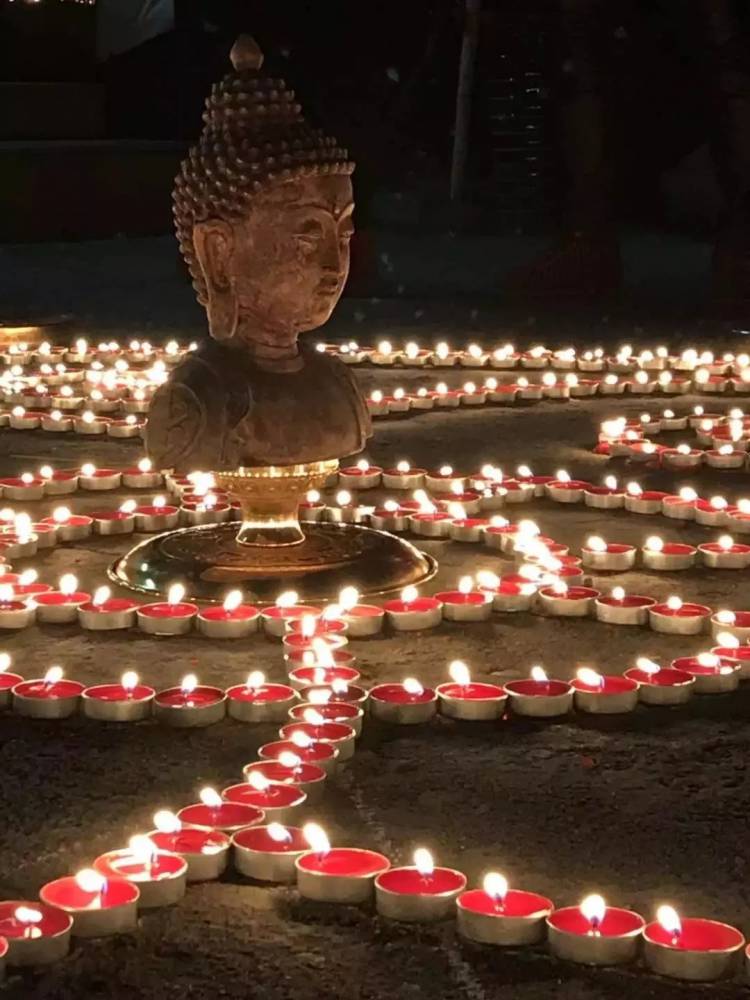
(267, 854)
(117, 702)
(109, 910)
(199, 706)
(278, 801)
(702, 951)
(228, 623)
(540, 698)
(662, 687)
(337, 734)
(107, 615)
(400, 705)
(161, 878)
(412, 613)
(465, 606)
(514, 920)
(605, 694)
(612, 940)
(473, 702)
(408, 895)
(227, 817)
(43, 699)
(166, 617)
(35, 933)
(309, 778)
(682, 619)
(260, 702)
(340, 875)
(205, 851)
(713, 674)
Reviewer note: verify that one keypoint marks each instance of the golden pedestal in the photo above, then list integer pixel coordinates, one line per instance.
(270, 551)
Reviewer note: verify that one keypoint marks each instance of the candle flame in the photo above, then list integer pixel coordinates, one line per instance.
(101, 594)
(189, 684)
(312, 496)
(539, 674)
(167, 822)
(409, 594)
(288, 759)
(495, 886)
(88, 469)
(634, 489)
(687, 494)
(654, 543)
(323, 654)
(53, 675)
(412, 686)
(488, 580)
(726, 542)
(618, 593)
(28, 576)
(255, 679)
(27, 915)
(647, 666)
(596, 544)
(308, 625)
(287, 599)
(90, 881)
(210, 797)
(316, 837)
(278, 833)
(5, 662)
(313, 717)
(728, 640)
(258, 781)
(61, 514)
(129, 680)
(175, 593)
(343, 498)
(465, 585)
(145, 465)
(128, 506)
(674, 603)
(232, 601)
(459, 673)
(589, 677)
(320, 697)
(68, 583)
(142, 849)
(593, 909)
(423, 861)
(301, 740)
(669, 919)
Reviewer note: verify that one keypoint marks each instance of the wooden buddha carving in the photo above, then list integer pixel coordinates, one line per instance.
(263, 212)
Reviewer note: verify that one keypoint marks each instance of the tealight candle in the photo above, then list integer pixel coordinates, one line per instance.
(669, 556)
(190, 705)
(268, 853)
(594, 933)
(106, 613)
(216, 814)
(733, 623)
(465, 604)
(567, 602)
(620, 608)
(420, 893)
(278, 800)
(660, 686)
(403, 477)
(412, 612)
(49, 697)
(88, 423)
(127, 701)
(303, 677)
(689, 948)
(171, 617)
(8, 680)
(35, 933)
(507, 595)
(725, 554)
(361, 476)
(285, 766)
(713, 674)
(362, 620)
(205, 851)
(539, 696)
(115, 522)
(677, 618)
(680, 506)
(16, 611)
(142, 476)
(24, 487)
(337, 734)
(336, 874)
(566, 490)
(712, 513)
(69, 527)
(233, 620)
(607, 556)
(98, 906)
(640, 501)
(470, 700)
(285, 609)
(606, 497)
(601, 694)
(156, 516)
(61, 606)
(91, 478)
(160, 875)
(58, 482)
(312, 507)
(404, 704)
(496, 914)
(258, 701)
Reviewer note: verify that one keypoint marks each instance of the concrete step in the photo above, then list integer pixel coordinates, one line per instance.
(86, 189)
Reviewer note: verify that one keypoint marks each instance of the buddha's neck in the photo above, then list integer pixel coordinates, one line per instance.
(266, 346)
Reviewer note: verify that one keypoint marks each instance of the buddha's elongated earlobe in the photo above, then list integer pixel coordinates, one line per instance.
(214, 243)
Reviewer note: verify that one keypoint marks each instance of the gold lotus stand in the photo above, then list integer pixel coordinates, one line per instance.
(271, 550)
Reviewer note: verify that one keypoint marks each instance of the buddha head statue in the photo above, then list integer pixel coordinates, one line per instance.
(263, 213)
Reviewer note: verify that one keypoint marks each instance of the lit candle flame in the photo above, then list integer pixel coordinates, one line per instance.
(596, 544)
(423, 862)
(313, 717)
(618, 593)
(90, 881)
(589, 677)
(287, 599)
(726, 542)
(647, 666)
(53, 675)
(348, 598)
(278, 833)
(317, 838)
(728, 640)
(459, 673)
(101, 596)
(175, 594)
(654, 543)
(487, 579)
(5, 662)
(255, 680)
(258, 781)
(465, 585)
(128, 506)
(302, 740)
(412, 686)
(167, 822)
(409, 594)
(210, 798)
(290, 760)
(68, 583)
(593, 909)
(539, 674)
(495, 886)
(232, 601)
(142, 849)
(129, 681)
(674, 603)
(189, 684)
(61, 514)
(669, 919)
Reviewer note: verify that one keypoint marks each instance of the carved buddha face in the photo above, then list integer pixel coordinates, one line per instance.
(281, 268)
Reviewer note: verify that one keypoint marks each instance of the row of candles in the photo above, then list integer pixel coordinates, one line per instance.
(252, 820)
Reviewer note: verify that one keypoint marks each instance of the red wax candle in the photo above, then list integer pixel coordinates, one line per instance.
(41, 698)
(303, 677)
(227, 817)
(413, 612)
(233, 622)
(306, 776)
(109, 911)
(166, 617)
(515, 919)
(320, 658)
(337, 734)
(57, 607)
(276, 800)
(712, 674)
(698, 950)
(42, 941)
(160, 878)
(473, 700)
(321, 755)
(117, 702)
(611, 939)
(605, 694)
(190, 840)
(260, 702)
(463, 605)
(410, 895)
(404, 705)
(199, 705)
(275, 618)
(340, 874)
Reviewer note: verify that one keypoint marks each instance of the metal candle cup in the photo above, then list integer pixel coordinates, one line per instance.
(540, 699)
(613, 695)
(629, 610)
(323, 755)
(259, 856)
(275, 618)
(688, 619)
(428, 525)
(40, 943)
(161, 881)
(575, 602)
(16, 614)
(114, 910)
(204, 850)
(151, 518)
(336, 734)
(114, 613)
(72, 528)
(664, 687)
(511, 596)
(408, 895)
(57, 608)
(738, 626)
(99, 479)
(163, 618)
(264, 703)
(279, 801)
(704, 950)
(228, 817)
(203, 706)
(472, 702)
(113, 522)
(458, 606)
(348, 712)
(7, 682)
(410, 616)
(616, 558)
(301, 677)
(717, 556)
(309, 778)
(673, 556)
(39, 699)
(364, 620)
(516, 920)
(614, 940)
(115, 703)
(220, 623)
(394, 704)
(340, 875)
(720, 677)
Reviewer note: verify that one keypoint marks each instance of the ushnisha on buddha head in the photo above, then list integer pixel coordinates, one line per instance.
(263, 212)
